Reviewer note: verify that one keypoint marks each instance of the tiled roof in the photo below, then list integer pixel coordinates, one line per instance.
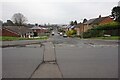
(70, 26)
(20, 30)
(95, 20)
(78, 25)
(98, 20)
(90, 21)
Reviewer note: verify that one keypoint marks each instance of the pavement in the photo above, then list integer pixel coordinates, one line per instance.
(49, 52)
(49, 67)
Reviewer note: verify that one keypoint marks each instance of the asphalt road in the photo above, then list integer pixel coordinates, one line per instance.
(87, 58)
(20, 62)
(76, 58)
(87, 62)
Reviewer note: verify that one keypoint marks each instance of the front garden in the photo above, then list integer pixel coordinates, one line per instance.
(112, 29)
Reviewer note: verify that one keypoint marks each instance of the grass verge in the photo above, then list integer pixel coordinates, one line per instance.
(7, 38)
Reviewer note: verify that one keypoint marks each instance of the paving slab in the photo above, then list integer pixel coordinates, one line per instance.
(47, 70)
(49, 67)
(49, 54)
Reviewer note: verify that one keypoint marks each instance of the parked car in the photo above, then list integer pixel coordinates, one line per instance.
(53, 33)
(61, 33)
(65, 35)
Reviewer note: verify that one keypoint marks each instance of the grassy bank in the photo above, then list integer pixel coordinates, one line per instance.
(6, 38)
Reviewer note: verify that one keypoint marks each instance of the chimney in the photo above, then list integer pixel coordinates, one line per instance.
(99, 16)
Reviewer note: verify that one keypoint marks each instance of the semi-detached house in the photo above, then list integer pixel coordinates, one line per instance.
(83, 27)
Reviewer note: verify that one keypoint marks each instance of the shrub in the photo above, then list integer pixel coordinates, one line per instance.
(98, 31)
(71, 32)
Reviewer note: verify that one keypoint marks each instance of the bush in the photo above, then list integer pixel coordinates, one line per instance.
(108, 26)
(71, 32)
(112, 28)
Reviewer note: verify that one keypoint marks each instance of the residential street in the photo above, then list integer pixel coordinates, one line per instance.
(60, 39)
(76, 58)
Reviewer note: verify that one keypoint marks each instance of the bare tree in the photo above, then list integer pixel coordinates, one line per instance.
(19, 19)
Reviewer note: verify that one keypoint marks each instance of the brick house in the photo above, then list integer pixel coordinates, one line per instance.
(16, 31)
(8, 32)
(96, 21)
(39, 30)
(79, 28)
(83, 27)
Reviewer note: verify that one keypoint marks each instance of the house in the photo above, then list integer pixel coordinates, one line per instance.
(96, 21)
(69, 27)
(16, 31)
(83, 27)
(8, 32)
(79, 28)
(39, 30)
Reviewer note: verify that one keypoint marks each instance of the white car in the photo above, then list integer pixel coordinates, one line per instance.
(53, 33)
(65, 35)
(61, 33)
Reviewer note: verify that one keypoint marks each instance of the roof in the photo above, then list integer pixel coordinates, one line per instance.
(70, 26)
(96, 20)
(78, 25)
(90, 21)
(18, 29)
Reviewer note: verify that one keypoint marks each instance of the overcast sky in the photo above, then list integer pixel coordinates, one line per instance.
(56, 11)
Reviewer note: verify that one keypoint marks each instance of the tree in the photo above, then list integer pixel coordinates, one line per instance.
(71, 23)
(19, 19)
(75, 22)
(36, 24)
(85, 20)
(116, 13)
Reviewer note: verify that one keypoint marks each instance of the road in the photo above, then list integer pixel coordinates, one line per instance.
(76, 58)
(20, 62)
(87, 58)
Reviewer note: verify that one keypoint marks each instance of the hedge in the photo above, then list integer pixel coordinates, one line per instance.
(112, 28)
